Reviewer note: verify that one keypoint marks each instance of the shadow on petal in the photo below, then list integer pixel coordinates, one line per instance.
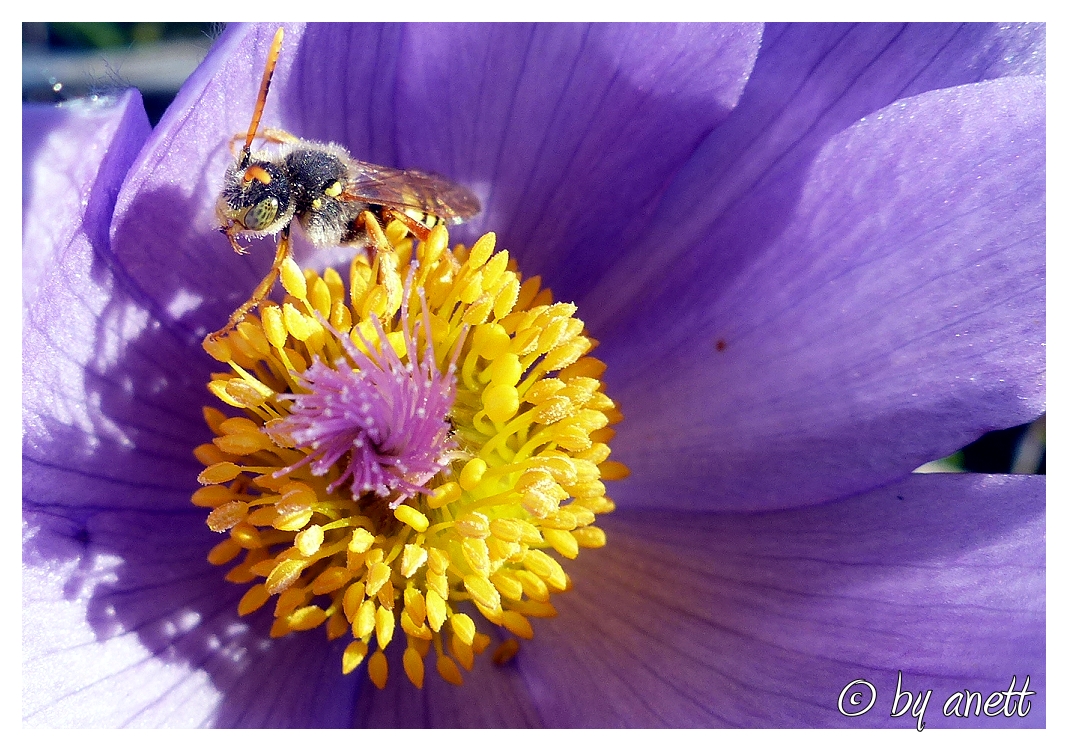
(761, 620)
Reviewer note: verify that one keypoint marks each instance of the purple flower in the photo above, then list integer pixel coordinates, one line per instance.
(813, 257)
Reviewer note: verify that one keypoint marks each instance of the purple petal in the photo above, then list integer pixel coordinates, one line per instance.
(761, 620)
(811, 81)
(896, 317)
(569, 131)
(73, 160)
(126, 624)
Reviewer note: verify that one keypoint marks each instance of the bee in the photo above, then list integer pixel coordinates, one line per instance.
(337, 200)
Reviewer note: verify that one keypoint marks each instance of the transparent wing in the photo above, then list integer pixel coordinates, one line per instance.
(411, 190)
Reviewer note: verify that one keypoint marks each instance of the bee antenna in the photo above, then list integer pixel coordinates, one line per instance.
(261, 99)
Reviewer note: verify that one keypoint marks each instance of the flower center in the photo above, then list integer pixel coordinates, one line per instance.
(418, 449)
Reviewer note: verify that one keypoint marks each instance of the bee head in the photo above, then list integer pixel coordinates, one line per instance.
(255, 199)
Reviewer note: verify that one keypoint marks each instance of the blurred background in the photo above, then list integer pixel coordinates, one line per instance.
(62, 61)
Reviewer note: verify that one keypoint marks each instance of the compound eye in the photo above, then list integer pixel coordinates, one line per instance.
(261, 215)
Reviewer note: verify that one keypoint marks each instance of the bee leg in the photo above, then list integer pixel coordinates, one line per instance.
(281, 253)
(375, 236)
(230, 235)
(419, 230)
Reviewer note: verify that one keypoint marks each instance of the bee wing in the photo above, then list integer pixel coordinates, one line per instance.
(411, 190)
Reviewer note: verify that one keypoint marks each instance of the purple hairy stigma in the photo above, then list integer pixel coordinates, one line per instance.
(383, 420)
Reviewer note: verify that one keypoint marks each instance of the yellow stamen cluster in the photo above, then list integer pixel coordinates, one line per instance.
(530, 424)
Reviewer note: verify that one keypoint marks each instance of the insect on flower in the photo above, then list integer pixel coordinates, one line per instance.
(336, 199)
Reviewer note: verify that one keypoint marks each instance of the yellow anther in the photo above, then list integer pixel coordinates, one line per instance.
(480, 588)
(377, 576)
(208, 454)
(509, 530)
(448, 671)
(476, 553)
(589, 537)
(517, 624)
(293, 279)
(226, 516)
(334, 283)
(415, 605)
(284, 574)
(501, 402)
(582, 514)
(506, 299)
(253, 600)
(563, 542)
(413, 518)
(590, 489)
(363, 625)
(422, 631)
(473, 524)
(306, 618)
(437, 560)
(264, 516)
(496, 266)
(246, 536)
(308, 541)
(330, 580)
(353, 600)
(551, 410)
(472, 290)
(505, 369)
(507, 584)
(435, 245)
(219, 473)
(384, 626)
(533, 586)
(614, 470)
(463, 627)
(435, 610)
(299, 326)
(238, 393)
(546, 568)
(567, 353)
(543, 389)
(501, 550)
(219, 349)
(463, 653)
(361, 541)
(506, 651)
(378, 669)
(444, 495)
(552, 334)
(292, 516)
(490, 341)
(252, 336)
(472, 473)
(353, 656)
(224, 552)
(412, 558)
(561, 519)
(319, 297)
(212, 496)
(481, 250)
(413, 666)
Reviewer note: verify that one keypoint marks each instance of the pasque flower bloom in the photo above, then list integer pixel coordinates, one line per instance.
(813, 257)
